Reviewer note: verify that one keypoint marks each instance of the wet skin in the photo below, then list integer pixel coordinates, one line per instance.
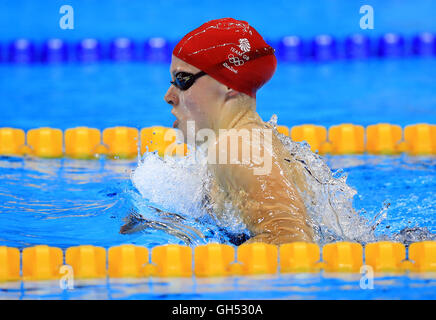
(269, 204)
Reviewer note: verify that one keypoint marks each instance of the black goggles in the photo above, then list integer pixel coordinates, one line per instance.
(184, 80)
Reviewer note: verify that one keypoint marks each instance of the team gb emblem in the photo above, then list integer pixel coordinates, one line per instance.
(244, 45)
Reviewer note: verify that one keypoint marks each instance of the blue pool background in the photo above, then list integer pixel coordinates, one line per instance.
(398, 91)
(64, 202)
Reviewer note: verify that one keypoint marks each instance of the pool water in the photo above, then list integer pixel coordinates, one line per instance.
(106, 94)
(67, 202)
(288, 286)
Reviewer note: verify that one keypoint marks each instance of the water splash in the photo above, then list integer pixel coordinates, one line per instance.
(182, 185)
(329, 202)
(331, 209)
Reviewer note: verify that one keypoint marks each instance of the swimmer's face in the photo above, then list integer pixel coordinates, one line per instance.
(201, 103)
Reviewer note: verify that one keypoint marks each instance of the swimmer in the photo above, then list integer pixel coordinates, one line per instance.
(216, 71)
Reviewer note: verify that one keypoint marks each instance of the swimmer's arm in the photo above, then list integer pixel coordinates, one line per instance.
(282, 234)
(274, 211)
(278, 219)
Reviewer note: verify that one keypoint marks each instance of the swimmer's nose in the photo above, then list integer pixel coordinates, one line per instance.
(171, 96)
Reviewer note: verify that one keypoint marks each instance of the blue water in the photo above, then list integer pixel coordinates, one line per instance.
(103, 95)
(68, 202)
(287, 286)
(65, 202)
(172, 19)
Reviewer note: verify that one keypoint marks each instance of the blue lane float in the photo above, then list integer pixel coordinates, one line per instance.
(88, 50)
(391, 45)
(157, 50)
(324, 48)
(357, 46)
(291, 48)
(424, 44)
(54, 51)
(22, 51)
(122, 49)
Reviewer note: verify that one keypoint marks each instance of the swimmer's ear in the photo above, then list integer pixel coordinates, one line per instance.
(231, 93)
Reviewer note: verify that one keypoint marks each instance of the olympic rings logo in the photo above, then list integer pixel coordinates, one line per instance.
(235, 60)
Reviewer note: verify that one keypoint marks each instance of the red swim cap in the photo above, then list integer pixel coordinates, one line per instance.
(230, 51)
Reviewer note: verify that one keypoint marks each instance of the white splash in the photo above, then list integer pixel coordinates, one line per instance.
(331, 211)
(180, 185)
(176, 184)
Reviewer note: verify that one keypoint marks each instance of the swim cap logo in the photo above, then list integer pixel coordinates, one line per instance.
(244, 45)
(235, 60)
